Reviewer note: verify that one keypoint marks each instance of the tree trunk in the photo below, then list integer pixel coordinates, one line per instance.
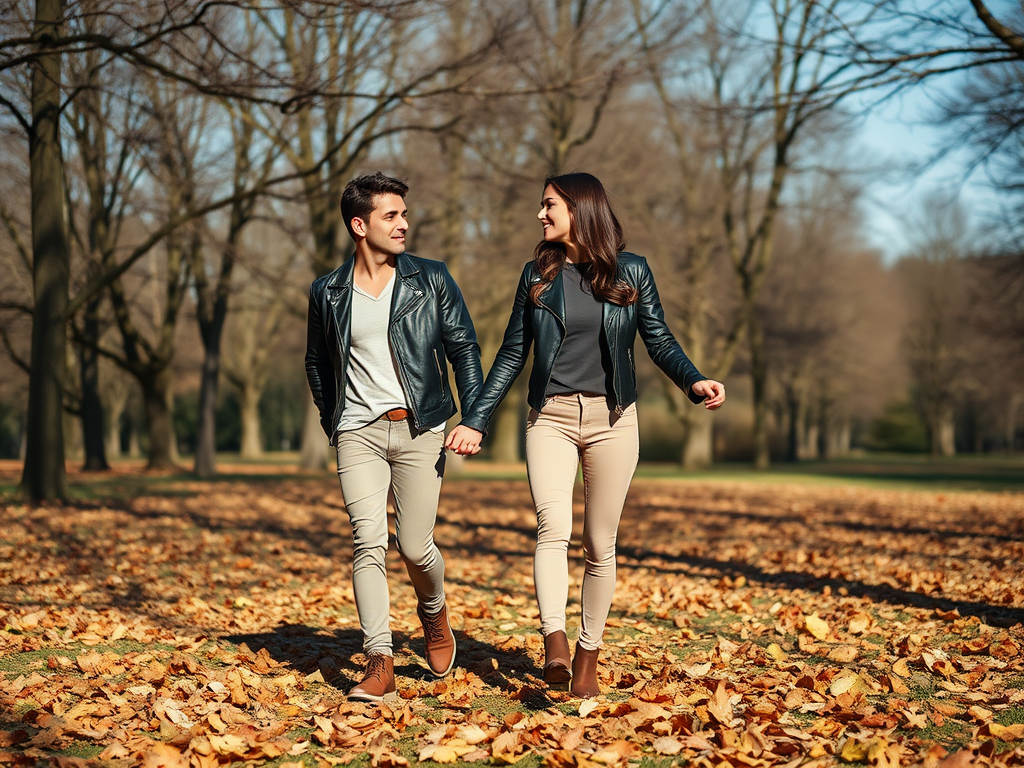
(1011, 422)
(156, 395)
(252, 431)
(698, 445)
(794, 426)
(943, 432)
(93, 427)
(315, 446)
(506, 427)
(759, 377)
(113, 427)
(134, 446)
(811, 438)
(44, 476)
(206, 436)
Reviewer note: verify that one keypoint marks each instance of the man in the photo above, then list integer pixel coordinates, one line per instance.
(381, 330)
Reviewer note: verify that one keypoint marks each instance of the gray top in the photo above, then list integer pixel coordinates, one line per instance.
(583, 362)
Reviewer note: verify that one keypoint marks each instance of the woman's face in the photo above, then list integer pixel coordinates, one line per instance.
(554, 215)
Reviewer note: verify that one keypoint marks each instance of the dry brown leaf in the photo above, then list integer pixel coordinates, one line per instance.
(817, 626)
(719, 706)
(667, 745)
(164, 756)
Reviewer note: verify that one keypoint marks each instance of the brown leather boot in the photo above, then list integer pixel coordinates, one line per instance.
(378, 680)
(556, 660)
(439, 641)
(584, 673)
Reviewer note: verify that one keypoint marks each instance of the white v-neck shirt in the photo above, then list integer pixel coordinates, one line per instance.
(372, 385)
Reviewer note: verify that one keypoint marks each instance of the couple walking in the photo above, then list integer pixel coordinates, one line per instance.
(382, 331)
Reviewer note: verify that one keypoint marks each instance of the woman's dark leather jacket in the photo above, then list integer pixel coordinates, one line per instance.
(544, 327)
(429, 325)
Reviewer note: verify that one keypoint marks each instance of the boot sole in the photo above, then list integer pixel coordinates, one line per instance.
(557, 676)
(367, 698)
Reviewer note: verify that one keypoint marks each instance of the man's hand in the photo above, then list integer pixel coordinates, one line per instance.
(465, 441)
(712, 391)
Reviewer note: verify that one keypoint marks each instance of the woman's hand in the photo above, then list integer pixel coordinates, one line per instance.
(465, 441)
(713, 392)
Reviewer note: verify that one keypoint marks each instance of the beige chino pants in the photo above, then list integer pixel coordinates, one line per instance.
(382, 456)
(572, 430)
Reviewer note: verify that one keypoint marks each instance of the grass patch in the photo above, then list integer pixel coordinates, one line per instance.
(499, 706)
(952, 734)
(1011, 716)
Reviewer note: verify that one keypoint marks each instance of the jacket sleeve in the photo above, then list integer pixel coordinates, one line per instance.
(459, 339)
(508, 363)
(319, 370)
(661, 345)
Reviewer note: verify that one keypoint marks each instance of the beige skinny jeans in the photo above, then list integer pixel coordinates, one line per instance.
(391, 456)
(574, 429)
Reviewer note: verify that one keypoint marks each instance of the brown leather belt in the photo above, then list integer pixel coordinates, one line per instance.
(396, 414)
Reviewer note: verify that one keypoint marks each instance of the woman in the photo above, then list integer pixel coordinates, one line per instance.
(580, 303)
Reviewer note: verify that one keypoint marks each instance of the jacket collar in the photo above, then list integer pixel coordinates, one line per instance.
(341, 278)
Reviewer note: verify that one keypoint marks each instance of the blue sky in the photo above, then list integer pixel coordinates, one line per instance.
(897, 137)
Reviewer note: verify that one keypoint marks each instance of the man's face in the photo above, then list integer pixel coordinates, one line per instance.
(385, 226)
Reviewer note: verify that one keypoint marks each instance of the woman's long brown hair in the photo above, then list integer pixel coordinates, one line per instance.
(596, 233)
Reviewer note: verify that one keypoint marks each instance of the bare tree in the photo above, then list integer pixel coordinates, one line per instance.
(43, 475)
(252, 165)
(935, 339)
(269, 295)
(104, 119)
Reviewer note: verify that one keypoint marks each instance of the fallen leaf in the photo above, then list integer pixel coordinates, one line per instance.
(164, 756)
(818, 627)
(666, 745)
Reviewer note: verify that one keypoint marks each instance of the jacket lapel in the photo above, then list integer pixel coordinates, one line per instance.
(339, 295)
(554, 299)
(408, 294)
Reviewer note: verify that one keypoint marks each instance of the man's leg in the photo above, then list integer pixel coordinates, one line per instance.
(365, 477)
(417, 467)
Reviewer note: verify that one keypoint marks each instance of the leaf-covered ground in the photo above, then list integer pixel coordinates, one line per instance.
(165, 621)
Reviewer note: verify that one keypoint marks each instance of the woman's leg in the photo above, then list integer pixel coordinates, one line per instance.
(552, 458)
(611, 447)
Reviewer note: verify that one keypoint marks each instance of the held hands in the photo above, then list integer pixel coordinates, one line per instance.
(465, 441)
(713, 392)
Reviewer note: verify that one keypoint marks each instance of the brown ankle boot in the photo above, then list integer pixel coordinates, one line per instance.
(584, 673)
(556, 659)
(378, 680)
(439, 641)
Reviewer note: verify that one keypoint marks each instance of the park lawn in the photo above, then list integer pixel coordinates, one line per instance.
(171, 621)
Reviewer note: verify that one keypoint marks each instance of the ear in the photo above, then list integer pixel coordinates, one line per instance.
(358, 226)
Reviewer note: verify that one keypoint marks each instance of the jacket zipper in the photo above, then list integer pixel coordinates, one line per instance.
(440, 373)
(560, 343)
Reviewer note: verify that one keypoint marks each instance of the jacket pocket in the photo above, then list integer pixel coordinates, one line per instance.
(442, 380)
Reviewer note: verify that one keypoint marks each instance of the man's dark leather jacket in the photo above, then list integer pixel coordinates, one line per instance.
(429, 325)
(544, 327)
